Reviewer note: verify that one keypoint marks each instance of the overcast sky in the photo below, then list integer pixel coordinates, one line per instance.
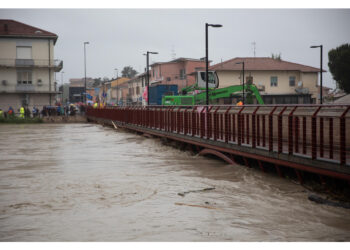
(119, 37)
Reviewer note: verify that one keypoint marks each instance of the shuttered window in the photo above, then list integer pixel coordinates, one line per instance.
(24, 52)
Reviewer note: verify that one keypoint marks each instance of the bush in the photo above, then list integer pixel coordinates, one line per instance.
(15, 119)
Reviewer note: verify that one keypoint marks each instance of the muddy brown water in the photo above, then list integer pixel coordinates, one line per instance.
(85, 182)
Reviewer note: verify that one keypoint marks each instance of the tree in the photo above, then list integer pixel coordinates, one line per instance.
(276, 56)
(339, 66)
(97, 82)
(128, 72)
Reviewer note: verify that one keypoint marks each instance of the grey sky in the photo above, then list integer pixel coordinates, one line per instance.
(119, 37)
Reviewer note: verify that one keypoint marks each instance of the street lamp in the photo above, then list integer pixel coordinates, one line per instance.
(147, 62)
(321, 51)
(117, 72)
(117, 85)
(206, 58)
(62, 86)
(243, 79)
(84, 97)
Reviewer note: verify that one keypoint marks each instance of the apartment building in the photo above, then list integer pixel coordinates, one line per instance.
(27, 66)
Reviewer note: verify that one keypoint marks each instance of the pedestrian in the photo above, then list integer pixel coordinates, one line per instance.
(21, 112)
(10, 112)
(26, 112)
(34, 112)
(1, 113)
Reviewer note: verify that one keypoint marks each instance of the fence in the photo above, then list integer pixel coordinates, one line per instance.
(312, 131)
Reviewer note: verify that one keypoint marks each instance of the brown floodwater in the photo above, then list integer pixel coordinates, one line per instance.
(86, 182)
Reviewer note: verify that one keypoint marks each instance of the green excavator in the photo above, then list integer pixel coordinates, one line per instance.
(196, 93)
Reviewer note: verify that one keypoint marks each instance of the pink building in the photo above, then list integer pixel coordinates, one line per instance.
(176, 72)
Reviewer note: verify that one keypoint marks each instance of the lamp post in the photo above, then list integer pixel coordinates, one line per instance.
(207, 60)
(321, 54)
(117, 72)
(117, 85)
(62, 86)
(242, 80)
(147, 62)
(84, 97)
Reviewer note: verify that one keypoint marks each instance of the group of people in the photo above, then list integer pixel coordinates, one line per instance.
(24, 112)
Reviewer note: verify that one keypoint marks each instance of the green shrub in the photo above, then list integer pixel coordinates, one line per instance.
(15, 119)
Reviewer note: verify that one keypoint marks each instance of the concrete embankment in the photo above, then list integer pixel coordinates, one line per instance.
(65, 119)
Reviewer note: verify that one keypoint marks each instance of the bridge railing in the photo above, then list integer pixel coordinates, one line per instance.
(313, 131)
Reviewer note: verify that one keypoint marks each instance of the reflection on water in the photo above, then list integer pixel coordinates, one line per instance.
(85, 182)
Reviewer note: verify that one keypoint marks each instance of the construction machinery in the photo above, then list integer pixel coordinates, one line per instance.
(196, 93)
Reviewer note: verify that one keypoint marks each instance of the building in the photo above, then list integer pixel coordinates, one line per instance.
(278, 81)
(77, 87)
(27, 66)
(116, 92)
(64, 93)
(80, 82)
(176, 71)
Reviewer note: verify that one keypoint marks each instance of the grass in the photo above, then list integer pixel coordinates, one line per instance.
(15, 119)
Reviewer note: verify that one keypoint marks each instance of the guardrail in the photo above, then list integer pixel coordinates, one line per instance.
(313, 131)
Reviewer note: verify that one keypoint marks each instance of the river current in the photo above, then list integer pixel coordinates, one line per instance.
(86, 182)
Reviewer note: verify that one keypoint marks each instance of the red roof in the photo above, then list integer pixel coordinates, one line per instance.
(262, 63)
(12, 28)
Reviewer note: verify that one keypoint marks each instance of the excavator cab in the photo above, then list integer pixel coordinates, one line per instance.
(213, 80)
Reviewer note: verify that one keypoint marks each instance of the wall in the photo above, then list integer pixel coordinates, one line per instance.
(15, 100)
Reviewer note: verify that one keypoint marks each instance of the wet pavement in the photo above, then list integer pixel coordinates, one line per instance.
(85, 182)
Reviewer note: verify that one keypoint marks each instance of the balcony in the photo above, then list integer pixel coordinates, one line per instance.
(25, 88)
(56, 65)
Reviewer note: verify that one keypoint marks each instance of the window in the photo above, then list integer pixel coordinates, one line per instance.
(24, 52)
(24, 77)
(292, 81)
(211, 77)
(273, 81)
(182, 74)
(137, 90)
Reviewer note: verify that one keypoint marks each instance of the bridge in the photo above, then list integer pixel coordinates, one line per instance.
(298, 139)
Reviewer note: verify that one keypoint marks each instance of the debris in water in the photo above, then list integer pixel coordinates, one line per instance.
(196, 191)
(320, 200)
(194, 205)
(115, 126)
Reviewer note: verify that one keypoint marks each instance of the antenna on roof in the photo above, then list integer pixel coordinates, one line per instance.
(254, 43)
(173, 54)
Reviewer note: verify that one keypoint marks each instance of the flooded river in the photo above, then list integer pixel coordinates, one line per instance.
(85, 182)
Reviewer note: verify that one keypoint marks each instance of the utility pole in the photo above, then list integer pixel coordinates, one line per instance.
(321, 70)
(84, 96)
(147, 77)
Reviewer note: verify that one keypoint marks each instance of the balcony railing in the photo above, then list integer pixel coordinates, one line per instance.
(25, 88)
(57, 65)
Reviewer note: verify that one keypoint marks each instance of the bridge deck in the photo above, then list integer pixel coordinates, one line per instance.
(311, 138)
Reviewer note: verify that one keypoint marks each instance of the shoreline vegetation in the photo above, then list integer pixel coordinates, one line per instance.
(18, 120)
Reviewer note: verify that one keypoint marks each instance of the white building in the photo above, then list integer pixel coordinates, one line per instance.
(27, 66)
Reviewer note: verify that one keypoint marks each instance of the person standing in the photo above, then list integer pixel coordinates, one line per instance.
(21, 111)
(10, 112)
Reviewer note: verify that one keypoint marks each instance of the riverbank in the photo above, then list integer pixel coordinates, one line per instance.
(65, 119)
(46, 119)
(15, 120)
